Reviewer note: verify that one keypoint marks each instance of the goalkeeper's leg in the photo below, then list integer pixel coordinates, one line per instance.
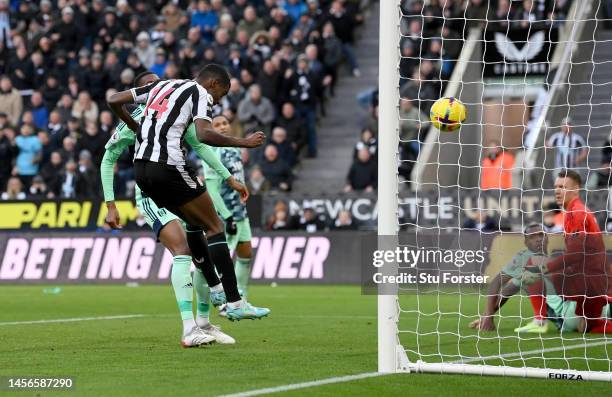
(592, 314)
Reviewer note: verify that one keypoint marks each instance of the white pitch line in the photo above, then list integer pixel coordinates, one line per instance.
(532, 352)
(295, 386)
(72, 320)
(349, 378)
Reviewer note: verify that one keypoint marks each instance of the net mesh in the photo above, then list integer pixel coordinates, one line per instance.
(528, 72)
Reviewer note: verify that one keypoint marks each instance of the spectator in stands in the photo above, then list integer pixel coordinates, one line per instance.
(68, 150)
(275, 169)
(309, 221)
(8, 151)
(501, 16)
(161, 62)
(363, 174)
(51, 91)
(96, 81)
(280, 219)
(476, 14)
(496, 167)
(88, 171)
(29, 154)
(294, 126)
(205, 19)
(332, 50)
(93, 141)
(606, 150)
(38, 189)
(601, 178)
(250, 23)
(255, 111)
(64, 108)
(10, 100)
(46, 147)
(84, 109)
(21, 70)
(413, 124)
(550, 222)
(70, 184)
(14, 190)
(344, 221)
(39, 111)
(481, 221)
(285, 150)
(144, 50)
(269, 81)
(257, 182)
(51, 171)
(302, 85)
(570, 147)
(345, 23)
(367, 141)
(419, 90)
(66, 34)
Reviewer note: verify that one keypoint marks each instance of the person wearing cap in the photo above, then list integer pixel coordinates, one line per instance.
(570, 148)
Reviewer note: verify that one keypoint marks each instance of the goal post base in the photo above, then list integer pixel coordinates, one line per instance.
(522, 372)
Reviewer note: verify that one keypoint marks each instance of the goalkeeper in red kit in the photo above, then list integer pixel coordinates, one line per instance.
(582, 274)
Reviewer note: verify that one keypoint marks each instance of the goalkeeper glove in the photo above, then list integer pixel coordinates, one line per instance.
(230, 226)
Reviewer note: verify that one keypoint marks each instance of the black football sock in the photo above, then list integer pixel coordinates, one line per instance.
(201, 255)
(225, 267)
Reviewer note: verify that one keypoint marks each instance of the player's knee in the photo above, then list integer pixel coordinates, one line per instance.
(582, 325)
(179, 248)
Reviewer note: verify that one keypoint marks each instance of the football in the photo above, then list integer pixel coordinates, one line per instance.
(447, 114)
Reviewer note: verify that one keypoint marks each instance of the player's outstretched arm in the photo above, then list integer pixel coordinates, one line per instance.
(212, 160)
(116, 103)
(499, 291)
(207, 135)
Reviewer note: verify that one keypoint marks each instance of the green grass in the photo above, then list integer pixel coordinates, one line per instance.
(313, 333)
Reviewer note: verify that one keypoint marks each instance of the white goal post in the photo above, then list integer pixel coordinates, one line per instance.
(393, 352)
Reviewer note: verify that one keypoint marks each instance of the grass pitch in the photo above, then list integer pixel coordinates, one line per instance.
(313, 333)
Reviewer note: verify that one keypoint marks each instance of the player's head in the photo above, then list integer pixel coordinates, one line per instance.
(567, 187)
(221, 124)
(536, 239)
(215, 79)
(145, 78)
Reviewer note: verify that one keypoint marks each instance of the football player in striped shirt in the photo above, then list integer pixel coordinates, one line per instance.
(170, 231)
(159, 162)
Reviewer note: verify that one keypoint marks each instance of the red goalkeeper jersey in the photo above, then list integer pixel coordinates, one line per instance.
(583, 268)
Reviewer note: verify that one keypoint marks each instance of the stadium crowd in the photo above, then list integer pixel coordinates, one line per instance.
(61, 59)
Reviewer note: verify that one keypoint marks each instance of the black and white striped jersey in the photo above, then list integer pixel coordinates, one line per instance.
(170, 107)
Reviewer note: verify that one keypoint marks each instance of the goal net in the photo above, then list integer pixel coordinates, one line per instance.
(493, 265)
